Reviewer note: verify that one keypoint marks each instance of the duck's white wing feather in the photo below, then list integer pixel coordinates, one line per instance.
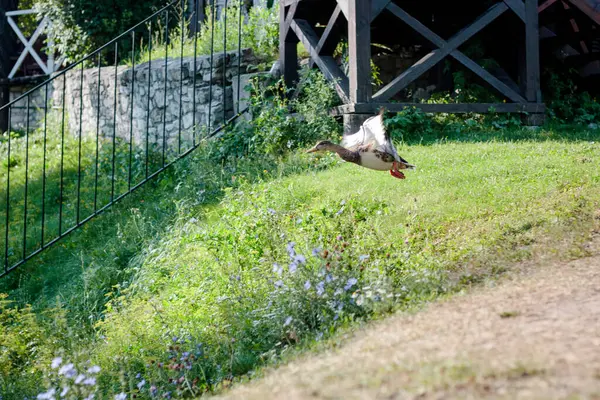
(370, 132)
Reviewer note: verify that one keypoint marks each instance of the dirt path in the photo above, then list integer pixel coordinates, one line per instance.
(536, 335)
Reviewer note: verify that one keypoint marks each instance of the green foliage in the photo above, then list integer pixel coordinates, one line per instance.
(79, 26)
(568, 103)
(260, 32)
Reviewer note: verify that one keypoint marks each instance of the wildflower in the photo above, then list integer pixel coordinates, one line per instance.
(293, 267)
(138, 375)
(56, 362)
(153, 390)
(279, 283)
(343, 203)
(141, 384)
(351, 282)
(339, 237)
(319, 336)
(277, 269)
(341, 210)
(338, 292)
(288, 321)
(320, 288)
(316, 251)
(271, 211)
(363, 257)
(299, 221)
(290, 249)
(67, 370)
(89, 381)
(307, 285)
(79, 379)
(93, 370)
(49, 395)
(300, 259)
(121, 396)
(64, 391)
(90, 397)
(193, 220)
(328, 278)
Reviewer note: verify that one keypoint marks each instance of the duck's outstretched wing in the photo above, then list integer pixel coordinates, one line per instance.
(371, 133)
(375, 129)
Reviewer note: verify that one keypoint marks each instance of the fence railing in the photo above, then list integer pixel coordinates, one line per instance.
(98, 130)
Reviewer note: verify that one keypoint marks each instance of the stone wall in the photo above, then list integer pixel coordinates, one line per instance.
(156, 99)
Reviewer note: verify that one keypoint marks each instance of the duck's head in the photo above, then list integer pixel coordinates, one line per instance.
(323, 145)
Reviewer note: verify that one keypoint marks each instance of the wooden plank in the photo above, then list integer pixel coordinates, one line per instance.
(453, 108)
(359, 50)
(532, 55)
(289, 16)
(587, 10)
(518, 8)
(324, 40)
(489, 78)
(545, 5)
(446, 48)
(344, 7)
(377, 7)
(326, 64)
(288, 51)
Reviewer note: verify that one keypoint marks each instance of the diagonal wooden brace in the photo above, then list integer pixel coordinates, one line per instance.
(326, 64)
(446, 48)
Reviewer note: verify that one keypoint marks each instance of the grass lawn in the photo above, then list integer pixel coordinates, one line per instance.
(246, 262)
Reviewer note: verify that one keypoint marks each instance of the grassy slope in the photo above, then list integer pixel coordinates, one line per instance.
(469, 210)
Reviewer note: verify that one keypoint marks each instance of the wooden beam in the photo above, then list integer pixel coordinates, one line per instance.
(343, 4)
(587, 10)
(532, 55)
(518, 8)
(359, 50)
(377, 8)
(288, 51)
(545, 5)
(445, 48)
(328, 29)
(326, 64)
(452, 108)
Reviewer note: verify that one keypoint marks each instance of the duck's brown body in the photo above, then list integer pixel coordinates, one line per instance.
(371, 147)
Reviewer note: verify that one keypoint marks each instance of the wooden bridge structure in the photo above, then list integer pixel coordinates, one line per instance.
(517, 33)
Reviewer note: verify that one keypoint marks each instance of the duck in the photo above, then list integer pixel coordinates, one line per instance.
(370, 147)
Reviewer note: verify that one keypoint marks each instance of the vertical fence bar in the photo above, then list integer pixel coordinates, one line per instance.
(62, 155)
(7, 227)
(114, 138)
(148, 92)
(212, 56)
(131, 110)
(196, 33)
(26, 179)
(44, 164)
(165, 78)
(79, 144)
(97, 133)
(224, 63)
(182, 23)
(239, 57)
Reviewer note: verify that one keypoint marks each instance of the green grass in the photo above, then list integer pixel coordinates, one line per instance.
(195, 260)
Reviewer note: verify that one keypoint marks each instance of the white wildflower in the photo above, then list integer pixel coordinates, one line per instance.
(56, 362)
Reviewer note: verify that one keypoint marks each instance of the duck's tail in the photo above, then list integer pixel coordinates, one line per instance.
(405, 165)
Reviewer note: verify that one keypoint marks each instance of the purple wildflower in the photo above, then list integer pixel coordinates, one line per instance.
(67, 370)
(293, 267)
(316, 252)
(288, 321)
(93, 370)
(153, 390)
(351, 282)
(141, 384)
(271, 211)
(64, 391)
(277, 269)
(339, 237)
(328, 278)
(363, 257)
(89, 381)
(47, 395)
(279, 283)
(56, 362)
(320, 288)
(290, 249)
(121, 396)
(300, 259)
(307, 285)
(79, 379)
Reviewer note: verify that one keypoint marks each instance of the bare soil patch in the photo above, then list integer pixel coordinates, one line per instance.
(533, 335)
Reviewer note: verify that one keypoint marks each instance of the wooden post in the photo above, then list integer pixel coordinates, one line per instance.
(359, 49)
(532, 60)
(288, 42)
(7, 48)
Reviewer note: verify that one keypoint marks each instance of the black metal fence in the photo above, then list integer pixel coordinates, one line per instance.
(81, 145)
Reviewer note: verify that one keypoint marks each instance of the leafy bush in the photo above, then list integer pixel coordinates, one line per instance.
(567, 103)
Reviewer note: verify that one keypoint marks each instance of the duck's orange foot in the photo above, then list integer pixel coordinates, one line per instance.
(397, 174)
